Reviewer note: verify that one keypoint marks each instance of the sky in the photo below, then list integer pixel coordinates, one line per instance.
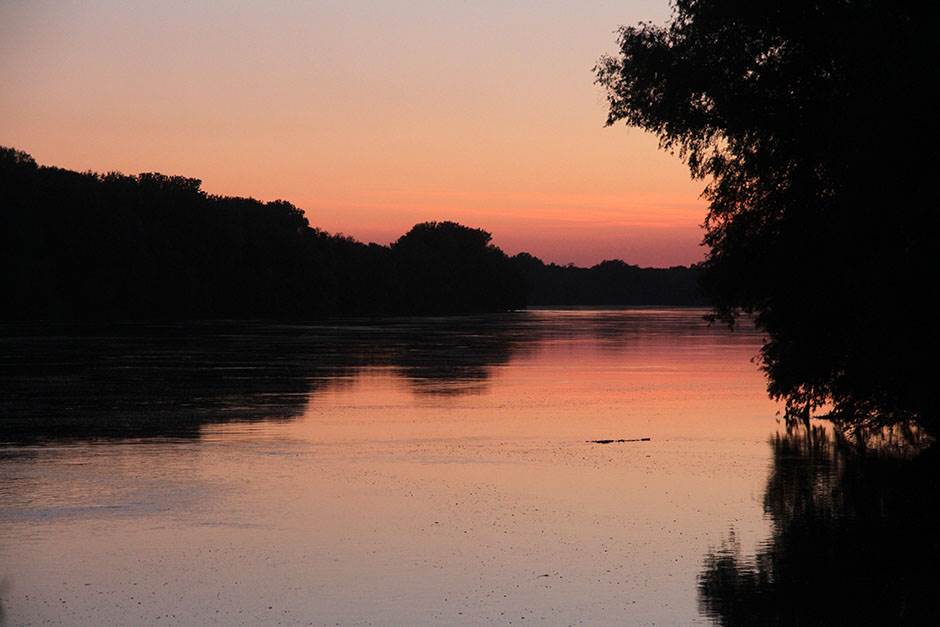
(370, 116)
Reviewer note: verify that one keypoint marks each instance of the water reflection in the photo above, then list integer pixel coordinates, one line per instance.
(134, 381)
(170, 380)
(3, 589)
(854, 537)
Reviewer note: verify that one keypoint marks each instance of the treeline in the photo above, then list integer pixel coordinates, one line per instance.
(612, 282)
(88, 246)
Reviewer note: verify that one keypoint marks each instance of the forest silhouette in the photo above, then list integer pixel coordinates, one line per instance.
(814, 126)
(87, 246)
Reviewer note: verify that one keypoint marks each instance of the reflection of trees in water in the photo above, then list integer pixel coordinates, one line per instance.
(4, 586)
(145, 380)
(452, 356)
(139, 380)
(614, 331)
(854, 538)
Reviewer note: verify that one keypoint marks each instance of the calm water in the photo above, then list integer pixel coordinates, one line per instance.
(420, 471)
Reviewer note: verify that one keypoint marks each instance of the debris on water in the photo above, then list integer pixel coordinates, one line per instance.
(618, 441)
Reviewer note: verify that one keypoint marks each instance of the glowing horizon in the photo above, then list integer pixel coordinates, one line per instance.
(370, 117)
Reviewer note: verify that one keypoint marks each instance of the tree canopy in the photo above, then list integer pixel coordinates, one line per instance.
(812, 125)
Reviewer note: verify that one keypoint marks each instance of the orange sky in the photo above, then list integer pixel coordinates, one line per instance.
(371, 116)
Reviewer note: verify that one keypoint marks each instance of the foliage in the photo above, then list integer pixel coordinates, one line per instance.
(447, 267)
(812, 123)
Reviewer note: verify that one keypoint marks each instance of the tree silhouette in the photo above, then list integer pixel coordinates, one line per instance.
(85, 246)
(610, 282)
(446, 267)
(813, 125)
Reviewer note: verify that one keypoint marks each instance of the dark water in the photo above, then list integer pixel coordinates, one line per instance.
(437, 471)
(853, 541)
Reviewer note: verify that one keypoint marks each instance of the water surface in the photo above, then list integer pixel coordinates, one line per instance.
(406, 472)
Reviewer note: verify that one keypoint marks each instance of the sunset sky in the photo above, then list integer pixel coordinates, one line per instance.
(371, 116)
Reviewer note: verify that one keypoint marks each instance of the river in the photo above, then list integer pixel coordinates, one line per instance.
(400, 472)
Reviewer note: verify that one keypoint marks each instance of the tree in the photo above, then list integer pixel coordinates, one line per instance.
(105, 247)
(812, 124)
(445, 267)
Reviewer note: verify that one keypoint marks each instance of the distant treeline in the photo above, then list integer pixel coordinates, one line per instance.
(88, 246)
(608, 283)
